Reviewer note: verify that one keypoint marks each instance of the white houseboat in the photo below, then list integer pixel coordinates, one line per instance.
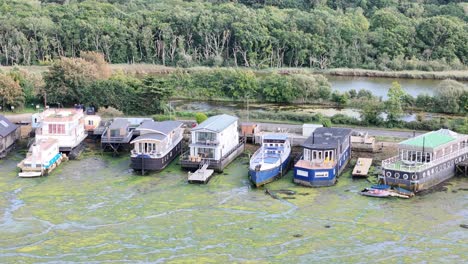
(215, 142)
(65, 125)
(425, 160)
(43, 156)
(158, 144)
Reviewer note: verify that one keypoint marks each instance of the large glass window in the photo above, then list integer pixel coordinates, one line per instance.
(206, 136)
(207, 153)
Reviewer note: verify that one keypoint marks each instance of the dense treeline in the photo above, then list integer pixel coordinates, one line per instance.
(374, 34)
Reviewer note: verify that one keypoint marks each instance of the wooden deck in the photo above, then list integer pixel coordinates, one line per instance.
(362, 167)
(202, 175)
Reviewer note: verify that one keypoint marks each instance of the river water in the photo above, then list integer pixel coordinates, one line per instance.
(379, 86)
(95, 210)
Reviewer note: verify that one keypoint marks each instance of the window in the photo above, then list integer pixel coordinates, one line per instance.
(90, 122)
(57, 129)
(206, 136)
(207, 153)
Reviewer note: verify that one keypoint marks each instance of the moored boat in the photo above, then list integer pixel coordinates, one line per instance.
(379, 193)
(271, 160)
(43, 156)
(426, 160)
(326, 153)
(158, 144)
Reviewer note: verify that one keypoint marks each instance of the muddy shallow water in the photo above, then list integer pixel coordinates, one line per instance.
(95, 210)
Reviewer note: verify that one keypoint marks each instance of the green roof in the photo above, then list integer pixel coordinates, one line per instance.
(432, 139)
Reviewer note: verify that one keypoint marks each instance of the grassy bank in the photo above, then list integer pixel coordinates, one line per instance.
(142, 69)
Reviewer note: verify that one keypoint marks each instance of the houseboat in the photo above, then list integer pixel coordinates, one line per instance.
(9, 133)
(271, 160)
(43, 156)
(117, 135)
(325, 155)
(214, 142)
(158, 144)
(64, 125)
(425, 160)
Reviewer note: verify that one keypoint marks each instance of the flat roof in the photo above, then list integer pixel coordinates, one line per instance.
(216, 123)
(327, 138)
(432, 139)
(119, 123)
(275, 137)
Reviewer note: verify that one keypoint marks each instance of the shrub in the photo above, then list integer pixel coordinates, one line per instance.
(109, 112)
(200, 117)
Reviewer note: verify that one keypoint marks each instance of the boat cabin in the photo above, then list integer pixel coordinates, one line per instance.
(215, 140)
(9, 133)
(156, 138)
(65, 125)
(41, 158)
(426, 160)
(326, 153)
(214, 137)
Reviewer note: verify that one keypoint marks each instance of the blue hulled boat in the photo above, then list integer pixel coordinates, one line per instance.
(271, 160)
(326, 153)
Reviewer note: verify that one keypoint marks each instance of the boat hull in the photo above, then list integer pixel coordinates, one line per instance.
(146, 162)
(262, 177)
(423, 180)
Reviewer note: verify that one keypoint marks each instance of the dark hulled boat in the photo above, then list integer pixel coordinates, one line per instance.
(159, 143)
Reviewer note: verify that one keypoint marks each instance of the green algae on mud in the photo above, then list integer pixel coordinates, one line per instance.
(96, 209)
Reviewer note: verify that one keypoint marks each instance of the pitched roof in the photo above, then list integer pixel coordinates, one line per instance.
(432, 139)
(164, 127)
(327, 137)
(216, 123)
(6, 127)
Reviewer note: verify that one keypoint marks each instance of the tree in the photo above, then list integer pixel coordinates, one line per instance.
(67, 80)
(200, 117)
(393, 106)
(452, 96)
(11, 93)
(370, 112)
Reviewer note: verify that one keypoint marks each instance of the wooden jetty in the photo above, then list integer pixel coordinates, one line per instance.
(202, 175)
(362, 167)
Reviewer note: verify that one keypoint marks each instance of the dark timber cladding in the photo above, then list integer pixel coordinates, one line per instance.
(9, 133)
(117, 135)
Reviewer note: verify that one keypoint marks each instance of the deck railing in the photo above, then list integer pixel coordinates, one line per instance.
(418, 167)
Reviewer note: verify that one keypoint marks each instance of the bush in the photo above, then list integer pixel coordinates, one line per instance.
(200, 117)
(109, 112)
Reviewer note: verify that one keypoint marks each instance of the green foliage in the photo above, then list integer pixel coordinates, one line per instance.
(378, 34)
(200, 117)
(370, 112)
(393, 105)
(452, 97)
(11, 93)
(326, 122)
